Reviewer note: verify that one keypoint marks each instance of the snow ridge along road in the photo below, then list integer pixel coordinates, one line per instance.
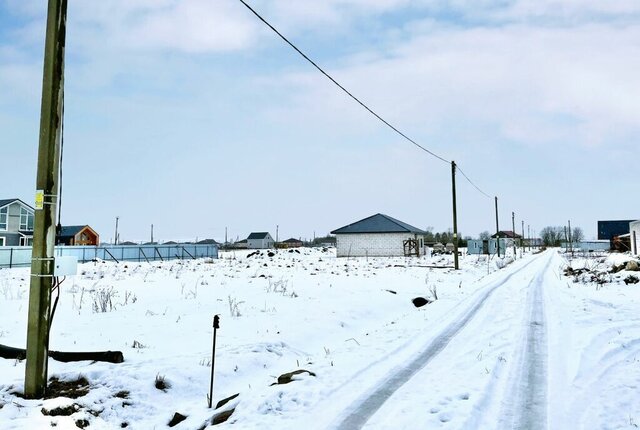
(364, 408)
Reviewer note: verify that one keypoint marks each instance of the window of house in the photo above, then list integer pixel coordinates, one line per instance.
(26, 241)
(26, 220)
(3, 218)
(1, 241)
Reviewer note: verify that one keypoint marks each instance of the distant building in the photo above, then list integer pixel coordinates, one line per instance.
(592, 245)
(207, 242)
(438, 247)
(16, 223)
(377, 236)
(506, 234)
(78, 235)
(607, 230)
(291, 243)
(260, 240)
(487, 246)
(241, 244)
(634, 228)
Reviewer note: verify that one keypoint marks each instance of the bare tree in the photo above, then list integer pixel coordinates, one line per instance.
(552, 236)
(577, 235)
(485, 235)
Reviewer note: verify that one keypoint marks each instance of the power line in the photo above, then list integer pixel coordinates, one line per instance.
(358, 100)
(340, 86)
(471, 182)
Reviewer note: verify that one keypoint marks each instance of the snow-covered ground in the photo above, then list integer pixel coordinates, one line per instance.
(520, 347)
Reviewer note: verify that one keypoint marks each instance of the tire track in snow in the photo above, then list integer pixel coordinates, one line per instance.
(528, 409)
(363, 409)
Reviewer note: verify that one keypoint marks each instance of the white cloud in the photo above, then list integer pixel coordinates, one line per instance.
(530, 84)
(194, 26)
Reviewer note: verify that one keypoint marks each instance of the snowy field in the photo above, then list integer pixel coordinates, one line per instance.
(526, 346)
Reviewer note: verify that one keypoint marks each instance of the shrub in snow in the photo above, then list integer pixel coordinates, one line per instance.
(11, 291)
(138, 345)
(234, 307)
(103, 300)
(161, 383)
(631, 279)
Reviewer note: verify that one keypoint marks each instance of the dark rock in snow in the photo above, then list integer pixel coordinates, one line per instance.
(419, 302)
(82, 423)
(177, 419)
(222, 417)
(61, 411)
(223, 402)
(285, 378)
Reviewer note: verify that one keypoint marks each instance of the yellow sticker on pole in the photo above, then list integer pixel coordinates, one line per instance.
(39, 199)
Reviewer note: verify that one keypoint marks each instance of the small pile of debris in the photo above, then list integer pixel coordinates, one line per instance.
(584, 275)
(631, 266)
(601, 275)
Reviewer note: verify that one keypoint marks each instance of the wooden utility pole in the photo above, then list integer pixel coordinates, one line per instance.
(513, 226)
(455, 216)
(44, 231)
(115, 237)
(570, 239)
(497, 228)
(152, 234)
(522, 239)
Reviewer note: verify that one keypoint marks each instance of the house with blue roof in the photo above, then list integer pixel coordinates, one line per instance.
(379, 236)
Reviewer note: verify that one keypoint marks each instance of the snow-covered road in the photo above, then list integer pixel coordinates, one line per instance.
(361, 412)
(530, 383)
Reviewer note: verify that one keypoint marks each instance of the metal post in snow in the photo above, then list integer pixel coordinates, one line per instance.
(497, 229)
(216, 326)
(513, 226)
(455, 216)
(570, 239)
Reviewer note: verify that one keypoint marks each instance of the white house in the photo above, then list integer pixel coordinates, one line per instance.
(376, 236)
(260, 240)
(634, 229)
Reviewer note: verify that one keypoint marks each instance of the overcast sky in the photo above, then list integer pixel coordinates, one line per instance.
(192, 115)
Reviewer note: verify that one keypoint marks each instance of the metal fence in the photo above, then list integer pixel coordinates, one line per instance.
(20, 256)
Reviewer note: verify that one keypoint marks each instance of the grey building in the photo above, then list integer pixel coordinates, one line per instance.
(260, 240)
(487, 246)
(16, 223)
(377, 236)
